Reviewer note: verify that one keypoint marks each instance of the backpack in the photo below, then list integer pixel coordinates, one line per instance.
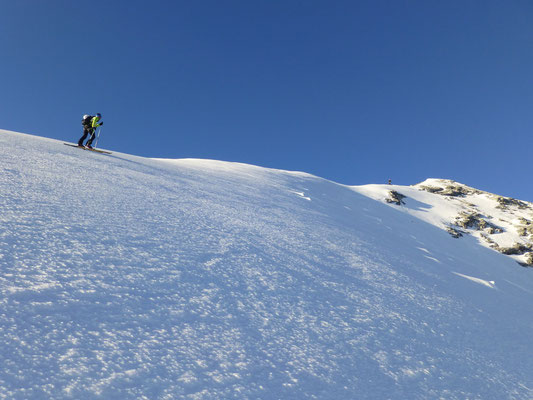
(86, 120)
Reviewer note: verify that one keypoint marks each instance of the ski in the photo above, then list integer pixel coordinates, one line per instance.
(85, 148)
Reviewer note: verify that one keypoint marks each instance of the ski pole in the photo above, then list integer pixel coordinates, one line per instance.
(98, 136)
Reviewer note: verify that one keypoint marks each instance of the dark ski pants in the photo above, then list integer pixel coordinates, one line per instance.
(86, 132)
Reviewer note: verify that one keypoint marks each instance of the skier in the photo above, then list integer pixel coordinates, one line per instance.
(90, 124)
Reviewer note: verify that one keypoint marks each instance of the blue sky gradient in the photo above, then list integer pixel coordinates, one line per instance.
(353, 91)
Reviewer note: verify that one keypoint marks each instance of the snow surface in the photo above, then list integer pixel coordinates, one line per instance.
(131, 278)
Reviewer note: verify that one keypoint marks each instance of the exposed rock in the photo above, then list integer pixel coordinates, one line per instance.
(456, 233)
(395, 198)
(476, 221)
(522, 230)
(487, 239)
(431, 189)
(526, 228)
(450, 188)
(524, 221)
(517, 249)
(504, 202)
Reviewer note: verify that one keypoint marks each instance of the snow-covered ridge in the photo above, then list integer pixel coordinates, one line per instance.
(501, 223)
(123, 277)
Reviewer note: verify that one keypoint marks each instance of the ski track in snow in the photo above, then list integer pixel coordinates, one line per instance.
(124, 277)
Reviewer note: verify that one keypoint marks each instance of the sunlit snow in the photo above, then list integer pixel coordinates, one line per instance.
(131, 278)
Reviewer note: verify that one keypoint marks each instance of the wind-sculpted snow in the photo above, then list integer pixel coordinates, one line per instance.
(131, 278)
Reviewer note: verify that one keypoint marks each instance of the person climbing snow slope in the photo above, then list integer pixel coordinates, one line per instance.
(90, 124)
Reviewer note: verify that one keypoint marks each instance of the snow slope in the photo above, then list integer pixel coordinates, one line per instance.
(133, 278)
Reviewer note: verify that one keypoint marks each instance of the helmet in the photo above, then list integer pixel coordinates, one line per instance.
(99, 115)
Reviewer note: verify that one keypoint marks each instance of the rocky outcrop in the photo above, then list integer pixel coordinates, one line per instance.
(472, 221)
(450, 188)
(476, 221)
(395, 198)
(454, 232)
(516, 249)
(506, 202)
(525, 228)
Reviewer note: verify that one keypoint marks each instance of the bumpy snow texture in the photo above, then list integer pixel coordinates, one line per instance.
(134, 278)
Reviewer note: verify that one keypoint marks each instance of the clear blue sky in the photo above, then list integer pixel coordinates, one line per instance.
(353, 91)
